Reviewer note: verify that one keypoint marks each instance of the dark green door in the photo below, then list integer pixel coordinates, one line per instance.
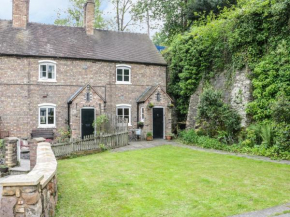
(87, 122)
(158, 123)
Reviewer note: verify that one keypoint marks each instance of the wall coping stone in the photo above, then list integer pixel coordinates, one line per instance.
(38, 140)
(22, 180)
(11, 139)
(42, 173)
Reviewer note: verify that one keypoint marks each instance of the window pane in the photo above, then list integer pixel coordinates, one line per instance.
(43, 71)
(43, 116)
(126, 72)
(126, 111)
(126, 78)
(120, 112)
(119, 75)
(119, 78)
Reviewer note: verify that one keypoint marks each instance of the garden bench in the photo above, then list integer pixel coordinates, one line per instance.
(45, 133)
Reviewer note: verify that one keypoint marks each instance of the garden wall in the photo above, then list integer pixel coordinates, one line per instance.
(237, 91)
(33, 194)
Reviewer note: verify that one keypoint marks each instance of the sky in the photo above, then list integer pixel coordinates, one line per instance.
(45, 11)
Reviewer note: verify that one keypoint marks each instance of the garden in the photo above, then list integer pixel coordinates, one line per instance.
(168, 181)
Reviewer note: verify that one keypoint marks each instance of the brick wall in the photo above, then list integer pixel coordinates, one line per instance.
(21, 92)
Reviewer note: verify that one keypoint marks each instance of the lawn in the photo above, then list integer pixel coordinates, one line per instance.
(168, 181)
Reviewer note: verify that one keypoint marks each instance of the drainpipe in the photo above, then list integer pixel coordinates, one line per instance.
(68, 114)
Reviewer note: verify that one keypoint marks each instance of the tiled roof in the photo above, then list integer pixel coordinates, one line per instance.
(43, 40)
(148, 92)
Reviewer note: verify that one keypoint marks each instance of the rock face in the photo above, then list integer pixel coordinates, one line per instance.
(236, 91)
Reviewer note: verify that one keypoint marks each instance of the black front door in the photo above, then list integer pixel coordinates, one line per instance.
(158, 123)
(87, 122)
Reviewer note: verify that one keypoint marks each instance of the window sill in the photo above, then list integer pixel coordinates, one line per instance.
(123, 83)
(47, 126)
(50, 81)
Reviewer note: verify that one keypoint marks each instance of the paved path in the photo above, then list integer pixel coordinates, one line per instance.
(279, 211)
(145, 144)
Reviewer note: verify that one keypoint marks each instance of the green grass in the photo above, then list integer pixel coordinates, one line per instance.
(168, 181)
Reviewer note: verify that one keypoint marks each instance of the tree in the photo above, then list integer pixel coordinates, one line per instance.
(168, 14)
(75, 15)
(121, 22)
(198, 8)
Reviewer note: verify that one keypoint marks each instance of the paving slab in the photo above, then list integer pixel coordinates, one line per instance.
(270, 212)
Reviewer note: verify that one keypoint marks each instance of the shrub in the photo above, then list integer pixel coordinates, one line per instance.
(282, 136)
(281, 110)
(149, 134)
(214, 115)
(190, 137)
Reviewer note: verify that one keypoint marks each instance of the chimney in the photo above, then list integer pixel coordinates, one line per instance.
(20, 14)
(89, 17)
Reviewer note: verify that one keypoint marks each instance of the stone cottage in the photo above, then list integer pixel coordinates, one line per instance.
(55, 77)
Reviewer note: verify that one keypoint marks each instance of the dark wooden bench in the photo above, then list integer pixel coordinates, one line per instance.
(45, 133)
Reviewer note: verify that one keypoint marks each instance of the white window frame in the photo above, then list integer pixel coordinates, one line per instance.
(47, 106)
(123, 106)
(142, 113)
(123, 67)
(47, 63)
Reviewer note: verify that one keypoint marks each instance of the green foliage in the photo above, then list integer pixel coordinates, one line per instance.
(281, 110)
(274, 152)
(253, 34)
(217, 117)
(74, 15)
(199, 8)
(64, 133)
(1, 143)
(99, 123)
(149, 134)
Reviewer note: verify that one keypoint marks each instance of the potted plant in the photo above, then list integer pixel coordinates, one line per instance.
(170, 105)
(141, 124)
(169, 136)
(150, 105)
(149, 136)
(3, 169)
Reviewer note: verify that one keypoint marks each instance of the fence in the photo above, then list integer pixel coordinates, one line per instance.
(112, 133)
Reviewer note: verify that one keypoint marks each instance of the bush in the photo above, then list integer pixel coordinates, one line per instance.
(281, 110)
(215, 116)
(275, 152)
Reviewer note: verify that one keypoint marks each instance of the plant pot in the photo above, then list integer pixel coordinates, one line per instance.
(3, 169)
(149, 138)
(168, 137)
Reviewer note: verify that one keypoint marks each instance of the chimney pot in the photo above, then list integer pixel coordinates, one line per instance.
(89, 17)
(20, 13)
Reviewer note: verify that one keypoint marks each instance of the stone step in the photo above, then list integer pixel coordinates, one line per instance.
(23, 168)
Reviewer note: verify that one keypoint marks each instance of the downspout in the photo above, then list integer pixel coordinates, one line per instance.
(68, 114)
(137, 113)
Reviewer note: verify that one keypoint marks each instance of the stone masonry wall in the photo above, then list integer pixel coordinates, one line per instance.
(11, 151)
(236, 91)
(148, 122)
(33, 194)
(21, 92)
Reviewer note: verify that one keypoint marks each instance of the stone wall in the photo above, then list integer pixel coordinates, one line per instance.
(236, 89)
(11, 151)
(33, 194)
(163, 103)
(21, 91)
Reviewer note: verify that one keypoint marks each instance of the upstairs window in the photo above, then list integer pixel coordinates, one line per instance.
(46, 115)
(47, 71)
(123, 74)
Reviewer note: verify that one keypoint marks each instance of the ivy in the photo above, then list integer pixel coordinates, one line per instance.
(255, 34)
